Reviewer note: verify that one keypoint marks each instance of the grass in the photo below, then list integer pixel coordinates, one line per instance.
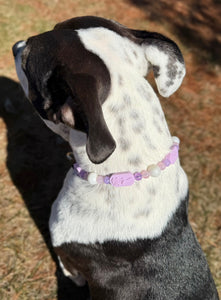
(28, 150)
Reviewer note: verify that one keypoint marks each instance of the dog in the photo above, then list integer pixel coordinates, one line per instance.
(120, 221)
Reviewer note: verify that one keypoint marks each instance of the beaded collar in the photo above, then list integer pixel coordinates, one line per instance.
(128, 178)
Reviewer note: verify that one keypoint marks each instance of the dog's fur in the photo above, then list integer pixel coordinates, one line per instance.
(86, 80)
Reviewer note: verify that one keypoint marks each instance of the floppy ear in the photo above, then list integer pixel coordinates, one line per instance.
(100, 143)
(166, 60)
(54, 103)
(76, 104)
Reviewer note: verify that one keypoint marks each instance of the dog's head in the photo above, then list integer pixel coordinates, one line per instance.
(67, 84)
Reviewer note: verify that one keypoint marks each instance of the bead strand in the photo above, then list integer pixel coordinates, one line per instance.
(127, 178)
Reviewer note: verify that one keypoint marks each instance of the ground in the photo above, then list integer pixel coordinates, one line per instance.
(32, 159)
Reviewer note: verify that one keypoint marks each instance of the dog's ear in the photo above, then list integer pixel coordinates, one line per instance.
(57, 101)
(166, 60)
(100, 143)
(76, 104)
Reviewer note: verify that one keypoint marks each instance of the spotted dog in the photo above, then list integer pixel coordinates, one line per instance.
(120, 220)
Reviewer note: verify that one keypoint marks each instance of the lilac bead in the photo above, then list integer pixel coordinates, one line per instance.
(173, 155)
(100, 179)
(166, 162)
(122, 179)
(77, 168)
(175, 146)
(137, 176)
(76, 165)
(107, 179)
(83, 174)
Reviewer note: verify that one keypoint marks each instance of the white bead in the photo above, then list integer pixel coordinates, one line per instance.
(154, 170)
(175, 139)
(92, 178)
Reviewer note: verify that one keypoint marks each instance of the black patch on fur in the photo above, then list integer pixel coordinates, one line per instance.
(156, 70)
(169, 267)
(120, 80)
(124, 144)
(93, 22)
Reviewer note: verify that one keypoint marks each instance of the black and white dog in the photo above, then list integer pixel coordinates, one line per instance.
(120, 220)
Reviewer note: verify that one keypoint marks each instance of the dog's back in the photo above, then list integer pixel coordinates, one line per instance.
(171, 266)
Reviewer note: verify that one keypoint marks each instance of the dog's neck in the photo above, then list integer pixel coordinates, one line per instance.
(127, 178)
(140, 131)
(144, 208)
(136, 121)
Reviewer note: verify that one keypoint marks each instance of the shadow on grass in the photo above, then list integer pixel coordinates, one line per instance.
(197, 23)
(37, 164)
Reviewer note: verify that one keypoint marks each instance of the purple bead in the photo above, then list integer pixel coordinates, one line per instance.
(77, 169)
(122, 179)
(173, 155)
(175, 147)
(107, 179)
(137, 176)
(166, 162)
(83, 174)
